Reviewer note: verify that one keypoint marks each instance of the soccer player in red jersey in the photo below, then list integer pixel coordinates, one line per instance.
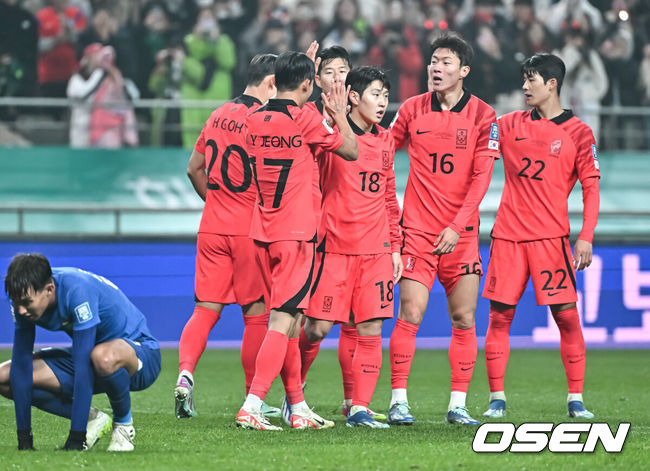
(279, 136)
(226, 270)
(333, 67)
(453, 141)
(545, 150)
(358, 258)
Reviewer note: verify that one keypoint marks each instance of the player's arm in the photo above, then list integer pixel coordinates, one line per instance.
(336, 103)
(393, 211)
(583, 249)
(83, 342)
(21, 376)
(196, 173)
(481, 176)
(399, 127)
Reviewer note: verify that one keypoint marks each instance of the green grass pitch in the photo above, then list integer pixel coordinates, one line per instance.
(617, 390)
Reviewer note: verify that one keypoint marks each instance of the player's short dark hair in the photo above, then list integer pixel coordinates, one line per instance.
(360, 78)
(328, 54)
(27, 270)
(260, 67)
(291, 69)
(547, 65)
(455, 44)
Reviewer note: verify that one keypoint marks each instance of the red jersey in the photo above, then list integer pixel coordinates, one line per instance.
(360, 208)
(445, 151)
(230, 198)
(278, 142)
(59, 63)
(318, 154)
(542, 160)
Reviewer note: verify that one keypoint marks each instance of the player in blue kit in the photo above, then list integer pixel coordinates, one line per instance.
(112, 352)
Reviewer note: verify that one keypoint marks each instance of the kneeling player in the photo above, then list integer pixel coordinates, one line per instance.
(359, 260)
(112, 352)
(530, 238)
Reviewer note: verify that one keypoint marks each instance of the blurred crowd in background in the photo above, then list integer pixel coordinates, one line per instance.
(113, 51)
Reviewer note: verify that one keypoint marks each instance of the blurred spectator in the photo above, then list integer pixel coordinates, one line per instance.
(350, 30)
(644, 86)
(105, 117)
(59, 25)
(495, 69)
(153, 35)
(206, 72)
(585, 82)
(532, 36)
(105, 29)
(18, 50)
(398, 53)
(165, 83)
(565, 12)
(306, 25)
(276, 38)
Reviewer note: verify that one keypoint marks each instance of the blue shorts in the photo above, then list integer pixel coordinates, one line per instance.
(61, 363)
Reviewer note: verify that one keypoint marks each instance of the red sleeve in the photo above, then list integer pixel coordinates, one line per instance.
(590, 203)
(200, 142)
(399, 128)
(587, 155)
(392, 209)
(316, 131)
(481, 176)
(487, 143)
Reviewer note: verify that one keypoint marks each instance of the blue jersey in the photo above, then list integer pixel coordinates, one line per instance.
(85, 300)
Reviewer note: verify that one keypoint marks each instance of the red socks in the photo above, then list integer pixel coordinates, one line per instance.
(291, 373)
(462, 357)
(195, 337)
(572, 348)
(347, 347)
(308, 352)
(497, 346)
(366, 365)
(254, 332)
(401, 350)
(270, 360)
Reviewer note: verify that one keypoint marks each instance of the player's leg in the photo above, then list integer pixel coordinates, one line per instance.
(53, 382)
(505, 282)
(115, 362)
(348, 337)
(213, 255)
(497, 353)
(414, 297)
(554, 282)
(573, 352)
(287, 268)
(194, 339)
(461, 302)
(366, 366)
(255, 325)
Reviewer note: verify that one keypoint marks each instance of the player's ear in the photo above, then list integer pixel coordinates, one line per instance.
(552, 83)
(464, 71)
(354, 98)
(306, 85)
(317, 80)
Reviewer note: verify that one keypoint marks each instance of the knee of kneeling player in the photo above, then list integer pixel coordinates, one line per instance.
(103, 360)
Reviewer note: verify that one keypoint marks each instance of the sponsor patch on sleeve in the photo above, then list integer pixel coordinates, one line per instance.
(83, 313)
(327, 126)
(492, 144)
(594, 152)
(494, 132)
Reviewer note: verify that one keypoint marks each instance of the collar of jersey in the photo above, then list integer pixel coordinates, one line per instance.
(319, 105)
(458, 107)
(360, 132)
(247, 100)
(282, 101)
(561, 118)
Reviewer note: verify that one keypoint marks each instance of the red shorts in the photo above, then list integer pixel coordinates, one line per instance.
(215, 279)
(420, 264)
(287, 268)
(547, 262)
(361, 284)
